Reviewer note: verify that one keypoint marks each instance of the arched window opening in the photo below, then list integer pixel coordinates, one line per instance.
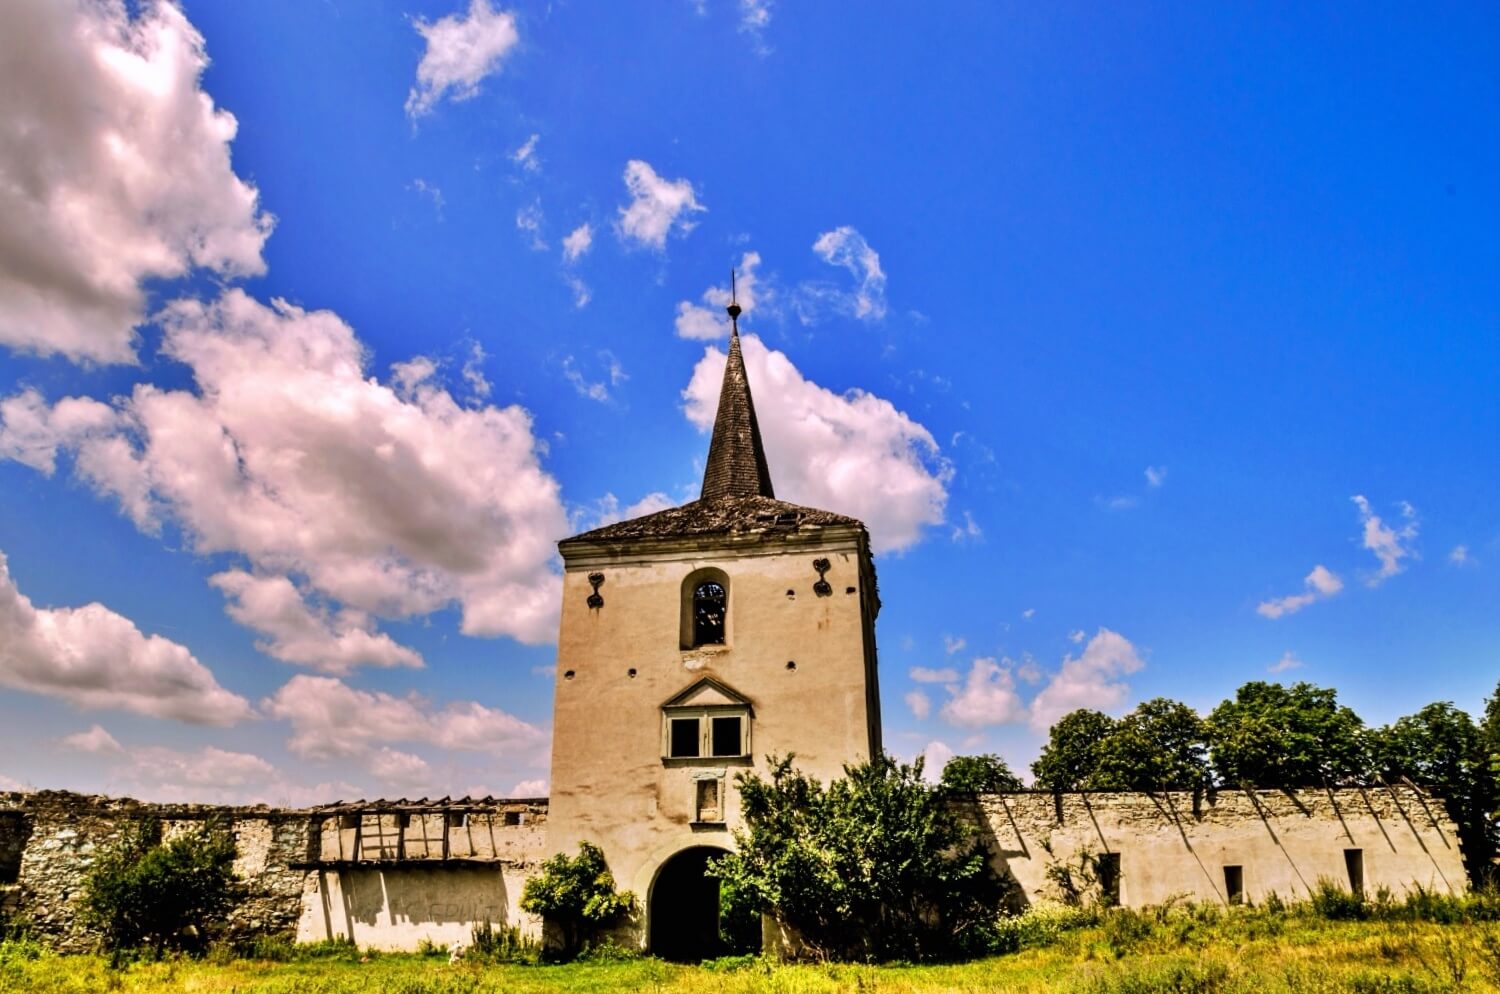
(708, 614)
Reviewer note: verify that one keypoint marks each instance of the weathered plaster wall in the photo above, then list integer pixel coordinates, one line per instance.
(619, 663)
(1284, 842)
(399, 907)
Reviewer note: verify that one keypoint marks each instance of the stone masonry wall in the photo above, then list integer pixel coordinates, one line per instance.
(66, 831)
(50, 839)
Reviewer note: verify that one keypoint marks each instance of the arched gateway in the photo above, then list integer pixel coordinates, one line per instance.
(683, 907)
(695, 642)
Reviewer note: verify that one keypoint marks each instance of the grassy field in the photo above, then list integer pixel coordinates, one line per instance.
(1193, 950)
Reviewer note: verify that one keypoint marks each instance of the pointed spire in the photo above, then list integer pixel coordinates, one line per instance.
(736, 459)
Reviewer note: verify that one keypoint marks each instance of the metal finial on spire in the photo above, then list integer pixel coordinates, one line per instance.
(734, 304)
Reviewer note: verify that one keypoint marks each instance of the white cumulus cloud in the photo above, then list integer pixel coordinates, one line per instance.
(96, 740)
(391, 499)
(987, 696)
(331, 720)
(96, 659)
(934, 757)
(920, 703)
(853, 453)
(297, 632)
(1320, 584)
(1092, 679)
(657, 206)
(114, 171)
(461, 51)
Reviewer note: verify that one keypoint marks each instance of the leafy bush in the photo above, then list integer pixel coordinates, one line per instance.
(739, 920)
(1125, 928)
(501, 945)
(142, 894)
(1331, 901)
(577, 894)
(875, 866)
(1040, 925)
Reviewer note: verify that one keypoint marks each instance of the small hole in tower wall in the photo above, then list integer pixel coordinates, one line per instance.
(630, 673)
(848, 590)
(791, 593)
(791, 665)
(568, 675)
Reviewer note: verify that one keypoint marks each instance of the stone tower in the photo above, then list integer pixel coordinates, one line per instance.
(694, 643)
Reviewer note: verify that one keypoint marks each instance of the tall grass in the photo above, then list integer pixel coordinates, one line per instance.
(1424, 944)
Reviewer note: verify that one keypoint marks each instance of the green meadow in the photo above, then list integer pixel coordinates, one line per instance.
(1196, 950)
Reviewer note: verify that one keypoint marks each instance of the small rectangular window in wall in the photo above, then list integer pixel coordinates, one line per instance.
(512, 818)
(13, 834)
(1234, 884)
(709, 802)
(726, 737)
(1109, 878)
(687, 737)
(1354, 862)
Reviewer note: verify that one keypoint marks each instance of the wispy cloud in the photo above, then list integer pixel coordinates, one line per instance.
(525, 156)
(1320, 584)
(1389, 545)
(1288, 661)
(845, 248)
(578, 242)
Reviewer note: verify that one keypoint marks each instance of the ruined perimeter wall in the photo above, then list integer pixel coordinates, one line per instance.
(1282, 842)
(391, 874)
(382, 879)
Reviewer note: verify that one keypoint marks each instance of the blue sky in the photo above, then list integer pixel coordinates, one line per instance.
(1159, 347)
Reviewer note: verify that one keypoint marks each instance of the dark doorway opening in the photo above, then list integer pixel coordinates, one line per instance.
(1234, 884)
(685, 912)
(1109, 879)
(1354, 863)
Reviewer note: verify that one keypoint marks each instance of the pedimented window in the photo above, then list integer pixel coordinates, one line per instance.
(707, 721)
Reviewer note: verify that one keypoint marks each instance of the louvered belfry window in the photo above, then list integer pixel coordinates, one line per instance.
(708, 614)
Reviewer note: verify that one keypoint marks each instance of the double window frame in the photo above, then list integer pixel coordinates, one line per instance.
(719, 732)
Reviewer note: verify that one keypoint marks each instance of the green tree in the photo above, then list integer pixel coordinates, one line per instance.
(577, 894)
(1158, 746)
(1490, 730)
(1070, 758)
(1273, 736)
(986, 774)
(875, 866)
(1440, 747)
(143, 894)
